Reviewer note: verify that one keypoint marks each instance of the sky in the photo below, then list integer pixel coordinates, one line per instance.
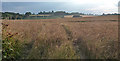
(84, 6)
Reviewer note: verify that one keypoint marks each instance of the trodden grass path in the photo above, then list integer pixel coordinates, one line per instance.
(76, 45)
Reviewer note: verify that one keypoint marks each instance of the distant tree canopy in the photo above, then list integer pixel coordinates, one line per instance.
(44, 12)
(11, 15)
(110, 14)
(28, 13)
(16, 16)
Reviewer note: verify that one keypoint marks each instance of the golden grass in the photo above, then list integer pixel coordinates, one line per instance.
(50, 38)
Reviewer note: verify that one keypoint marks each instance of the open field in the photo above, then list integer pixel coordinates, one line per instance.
(63, 38)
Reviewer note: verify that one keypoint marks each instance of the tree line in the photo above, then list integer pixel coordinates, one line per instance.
(17, 16)
(14, 16)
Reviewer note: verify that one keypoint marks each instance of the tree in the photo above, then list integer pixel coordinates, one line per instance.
(28, 13)
(52, 11)
(11, 15)
(103, 14)
(44, 12)
(40, 13)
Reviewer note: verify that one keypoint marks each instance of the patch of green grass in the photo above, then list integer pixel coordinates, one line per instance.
(37, 18)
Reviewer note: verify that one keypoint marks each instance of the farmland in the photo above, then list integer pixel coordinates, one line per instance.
(62, 38)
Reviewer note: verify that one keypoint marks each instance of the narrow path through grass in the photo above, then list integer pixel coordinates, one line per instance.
(68, 32)
(79, 52)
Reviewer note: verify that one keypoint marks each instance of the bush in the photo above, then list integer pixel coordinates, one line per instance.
(10, 46)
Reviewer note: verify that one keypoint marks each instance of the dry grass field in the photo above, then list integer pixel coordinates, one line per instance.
(65, 38)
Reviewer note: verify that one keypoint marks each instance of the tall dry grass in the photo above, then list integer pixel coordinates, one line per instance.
(66, 38)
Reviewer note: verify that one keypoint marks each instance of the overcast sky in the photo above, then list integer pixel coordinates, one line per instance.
(93, 6)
